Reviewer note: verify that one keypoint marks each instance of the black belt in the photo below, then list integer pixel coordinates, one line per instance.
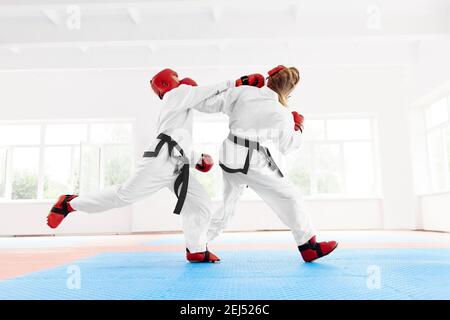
(183, 178)
(251, 145)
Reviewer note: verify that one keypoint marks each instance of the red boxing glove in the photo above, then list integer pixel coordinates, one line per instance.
(254, 80)
(205, 163)
(298, 121)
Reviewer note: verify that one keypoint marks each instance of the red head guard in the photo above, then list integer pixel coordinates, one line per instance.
(275, 70)
(164, 81)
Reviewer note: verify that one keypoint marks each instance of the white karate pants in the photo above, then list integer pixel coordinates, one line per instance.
(153, 174)
(277, 192)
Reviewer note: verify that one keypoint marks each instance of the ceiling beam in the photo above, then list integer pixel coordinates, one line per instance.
(135, 15)
(52, 15)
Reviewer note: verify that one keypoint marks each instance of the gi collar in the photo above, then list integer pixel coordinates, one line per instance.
(269, 92)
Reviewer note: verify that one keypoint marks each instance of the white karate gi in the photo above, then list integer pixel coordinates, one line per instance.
(256, 114)
(153, 174)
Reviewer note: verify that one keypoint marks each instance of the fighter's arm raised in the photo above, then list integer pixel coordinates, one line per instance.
(222, 99)
(187, 97)
(197, 95)
(222, 102)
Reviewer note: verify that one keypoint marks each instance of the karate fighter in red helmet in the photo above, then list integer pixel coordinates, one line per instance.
(166, 164)
(258, 116)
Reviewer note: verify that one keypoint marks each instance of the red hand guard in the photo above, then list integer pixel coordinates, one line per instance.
(298, 121)
(205, 163)
(254, 80)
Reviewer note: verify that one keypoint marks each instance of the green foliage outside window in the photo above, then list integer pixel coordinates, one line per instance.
(24, 185)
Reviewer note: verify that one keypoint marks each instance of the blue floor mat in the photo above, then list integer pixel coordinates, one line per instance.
(286, 238)
(346, 274)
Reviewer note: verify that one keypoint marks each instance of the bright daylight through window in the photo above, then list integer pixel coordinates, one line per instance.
(338, 157)
(44, 160)
(438, 139)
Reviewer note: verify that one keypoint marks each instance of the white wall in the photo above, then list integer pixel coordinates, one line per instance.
(431, 82)
(432, 69)
(155, 214)
(124, 94)
(29, 218)
(435, 214)
(374, 90)
(102, 71)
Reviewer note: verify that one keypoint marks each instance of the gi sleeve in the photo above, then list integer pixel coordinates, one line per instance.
(198, 95)
(223, 102)
(288, 138)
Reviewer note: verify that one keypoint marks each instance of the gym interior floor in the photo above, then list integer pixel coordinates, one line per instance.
(256, 265)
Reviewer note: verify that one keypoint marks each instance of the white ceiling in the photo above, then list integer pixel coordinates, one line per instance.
(34, 34)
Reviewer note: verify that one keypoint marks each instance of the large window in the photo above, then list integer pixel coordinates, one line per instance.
(44, 160)
(338, 157)
(437, 124)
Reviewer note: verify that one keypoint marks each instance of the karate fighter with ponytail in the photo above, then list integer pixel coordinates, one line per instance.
(166, 164)
(257, 116)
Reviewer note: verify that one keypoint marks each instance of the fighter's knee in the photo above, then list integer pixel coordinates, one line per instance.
(123, 197)
(200, 205)
(289, 196)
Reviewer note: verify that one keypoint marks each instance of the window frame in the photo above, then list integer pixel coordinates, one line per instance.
(248, 197)
(440, 128)
(342, 168)
(43, 145)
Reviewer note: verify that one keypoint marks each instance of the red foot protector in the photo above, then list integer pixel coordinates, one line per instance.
(205, 256)
(60, 210)
(313, 250)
